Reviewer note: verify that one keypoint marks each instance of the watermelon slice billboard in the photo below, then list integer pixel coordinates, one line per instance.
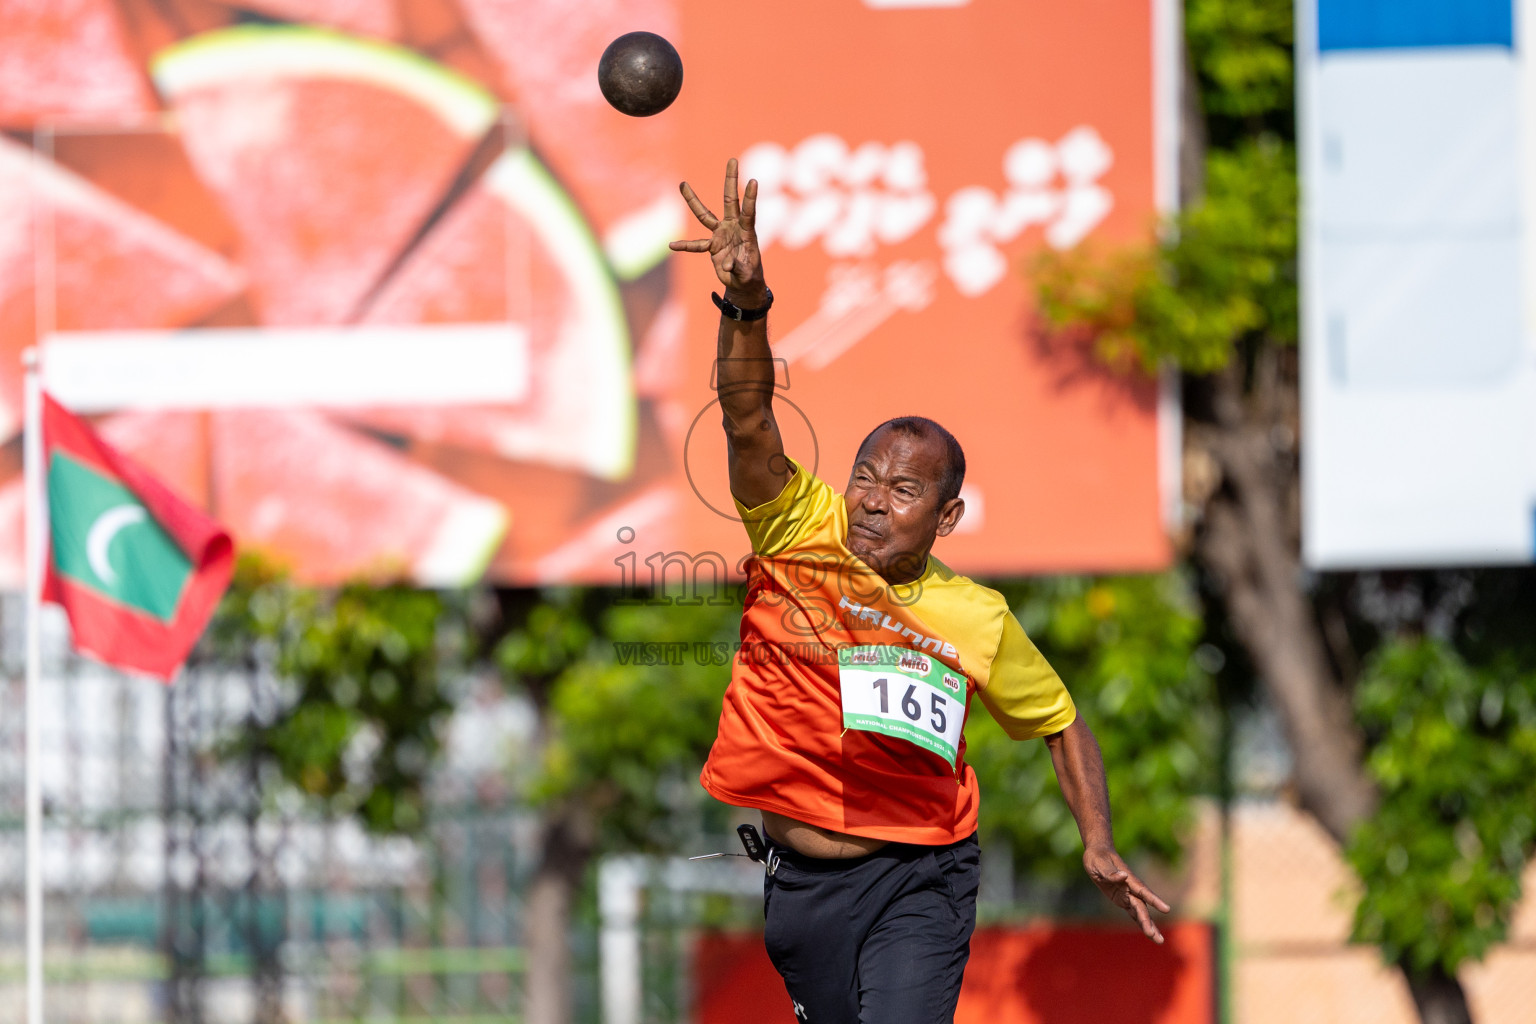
(272, 166)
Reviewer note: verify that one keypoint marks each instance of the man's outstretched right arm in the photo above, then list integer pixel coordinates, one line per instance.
(743, 360)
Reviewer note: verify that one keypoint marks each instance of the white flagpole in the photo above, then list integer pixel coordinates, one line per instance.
(35, 520)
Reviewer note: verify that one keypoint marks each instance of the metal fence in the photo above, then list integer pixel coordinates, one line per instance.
(182, 885)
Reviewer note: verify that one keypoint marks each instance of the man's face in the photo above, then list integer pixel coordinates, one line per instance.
(894, 511)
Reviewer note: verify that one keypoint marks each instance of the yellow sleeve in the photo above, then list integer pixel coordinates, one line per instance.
(1023, 692)
(782, 524)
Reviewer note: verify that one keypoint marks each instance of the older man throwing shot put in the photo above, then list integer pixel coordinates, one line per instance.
(843, 722)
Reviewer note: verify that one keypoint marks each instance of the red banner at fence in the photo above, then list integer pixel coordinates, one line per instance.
(1040, 974)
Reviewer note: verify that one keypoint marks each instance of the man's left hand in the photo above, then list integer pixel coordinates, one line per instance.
(1124, 889)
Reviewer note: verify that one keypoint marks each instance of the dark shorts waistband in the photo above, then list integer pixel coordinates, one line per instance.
(890, 851)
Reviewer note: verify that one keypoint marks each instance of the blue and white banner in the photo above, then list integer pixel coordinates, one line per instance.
(1418, 361)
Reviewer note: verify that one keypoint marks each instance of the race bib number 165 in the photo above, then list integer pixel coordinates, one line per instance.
(905, 694)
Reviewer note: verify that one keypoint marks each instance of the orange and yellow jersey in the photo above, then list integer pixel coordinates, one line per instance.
(848, 695)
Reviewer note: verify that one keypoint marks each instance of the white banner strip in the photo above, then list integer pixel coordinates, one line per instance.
(445, 364)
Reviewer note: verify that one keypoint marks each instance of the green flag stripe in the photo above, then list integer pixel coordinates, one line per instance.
(105, 539)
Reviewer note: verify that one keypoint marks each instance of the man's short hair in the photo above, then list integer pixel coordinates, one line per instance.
(922, 426)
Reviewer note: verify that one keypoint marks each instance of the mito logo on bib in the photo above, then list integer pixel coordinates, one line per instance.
(903, 694)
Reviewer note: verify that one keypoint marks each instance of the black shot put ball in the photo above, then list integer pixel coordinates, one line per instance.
(640, 74)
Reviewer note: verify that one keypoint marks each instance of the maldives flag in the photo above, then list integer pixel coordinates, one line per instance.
(138, 570)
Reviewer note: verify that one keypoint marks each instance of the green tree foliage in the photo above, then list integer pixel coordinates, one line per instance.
(624, 739)
(1453, 751)
(362, 677)
(1128, 650)
(627, 713)
(1240, 51)
(1448, 723)
(1224, 270)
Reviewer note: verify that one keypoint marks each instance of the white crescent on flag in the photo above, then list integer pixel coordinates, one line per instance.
(98, 540)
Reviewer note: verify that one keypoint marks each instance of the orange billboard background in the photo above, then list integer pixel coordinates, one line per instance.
(271, 165)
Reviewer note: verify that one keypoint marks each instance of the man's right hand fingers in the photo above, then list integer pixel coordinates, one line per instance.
(695, 245)
(749, 206)
(696, 204)
(731, 195)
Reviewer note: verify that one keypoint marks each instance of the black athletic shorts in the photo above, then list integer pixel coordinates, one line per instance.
(880, 939)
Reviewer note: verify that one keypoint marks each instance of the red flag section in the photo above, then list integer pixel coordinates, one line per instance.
(138, 570)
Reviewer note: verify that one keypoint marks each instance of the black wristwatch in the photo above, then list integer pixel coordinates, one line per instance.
(731, 311)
